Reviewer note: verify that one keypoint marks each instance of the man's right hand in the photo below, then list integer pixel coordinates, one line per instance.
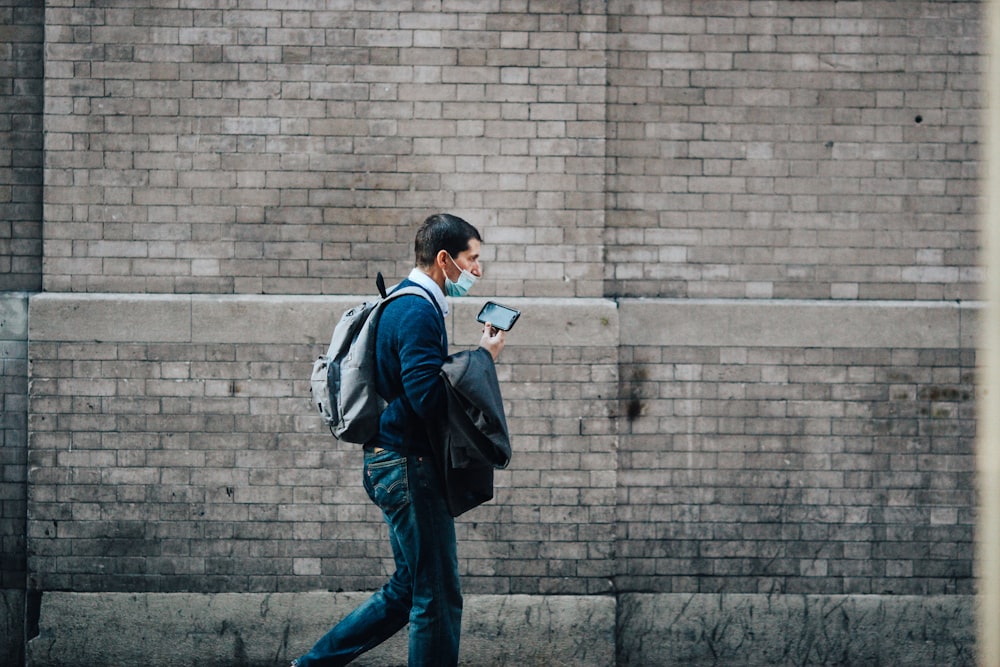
(493, 341)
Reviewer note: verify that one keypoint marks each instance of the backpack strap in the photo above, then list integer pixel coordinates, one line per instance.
(430, 297)
(410, 289)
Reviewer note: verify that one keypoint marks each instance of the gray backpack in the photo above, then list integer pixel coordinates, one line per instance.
(343, 379)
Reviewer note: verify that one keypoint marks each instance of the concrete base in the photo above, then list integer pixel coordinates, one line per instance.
(756, 630)
(249, 630)
(11, 627)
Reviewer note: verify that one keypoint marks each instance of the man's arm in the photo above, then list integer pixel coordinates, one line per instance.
(422, 352)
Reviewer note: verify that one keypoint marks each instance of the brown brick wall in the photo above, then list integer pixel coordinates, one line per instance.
(737, 149)
(174, 449)
(21, 71)
(782, 470)
(817, 150)
(293, 150)
(742, 153)
(13, 441)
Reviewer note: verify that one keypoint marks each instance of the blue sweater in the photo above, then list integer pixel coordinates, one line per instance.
(411, 345)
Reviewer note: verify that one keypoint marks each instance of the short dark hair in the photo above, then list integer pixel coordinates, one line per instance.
(442, 231)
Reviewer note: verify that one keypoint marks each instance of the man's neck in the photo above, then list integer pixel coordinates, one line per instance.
(435, 274)
(421, 276)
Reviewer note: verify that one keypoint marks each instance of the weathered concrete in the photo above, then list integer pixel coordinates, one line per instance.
(792, 323)
(182, 629)
(164, 630)
(11, 627)
(14, 316)
(280, 319)
(111, 317)
(221, 319)
(752, 630)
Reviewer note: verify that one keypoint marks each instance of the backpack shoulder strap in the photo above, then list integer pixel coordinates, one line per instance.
(415, 289)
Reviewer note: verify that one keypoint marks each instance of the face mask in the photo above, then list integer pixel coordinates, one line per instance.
(465, 282)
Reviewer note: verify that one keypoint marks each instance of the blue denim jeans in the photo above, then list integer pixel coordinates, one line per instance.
(424, 590)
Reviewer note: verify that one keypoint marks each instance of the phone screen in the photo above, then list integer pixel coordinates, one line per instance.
(498, 316)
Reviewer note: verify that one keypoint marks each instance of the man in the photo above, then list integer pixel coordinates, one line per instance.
(399, 473)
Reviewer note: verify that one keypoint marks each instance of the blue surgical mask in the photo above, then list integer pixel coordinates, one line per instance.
(465, 282)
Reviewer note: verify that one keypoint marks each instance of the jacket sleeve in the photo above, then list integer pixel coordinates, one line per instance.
(476, 423)
(421, 343)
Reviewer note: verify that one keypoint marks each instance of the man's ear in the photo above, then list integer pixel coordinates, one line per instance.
(442, 259)
(438, 270)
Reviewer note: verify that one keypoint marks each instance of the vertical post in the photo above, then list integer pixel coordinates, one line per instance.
(988, 456)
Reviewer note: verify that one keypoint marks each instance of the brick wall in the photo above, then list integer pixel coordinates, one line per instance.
(174, 449)
(13, 473)
(293, 149)
(703, 149)
(743, 233)
(810, 450)
(21, 33)
(820, 150)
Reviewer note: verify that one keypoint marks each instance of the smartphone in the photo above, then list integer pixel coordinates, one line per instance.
(500, 317)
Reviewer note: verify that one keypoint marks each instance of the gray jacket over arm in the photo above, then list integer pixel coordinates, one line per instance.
(475, 440)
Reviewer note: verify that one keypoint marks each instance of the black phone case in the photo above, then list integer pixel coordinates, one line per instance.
(513, 319)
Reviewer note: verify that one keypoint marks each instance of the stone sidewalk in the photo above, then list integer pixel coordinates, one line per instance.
(266, 630)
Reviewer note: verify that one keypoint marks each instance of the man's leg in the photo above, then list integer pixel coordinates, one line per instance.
(387, 611)
(363, 629)
(425, 532)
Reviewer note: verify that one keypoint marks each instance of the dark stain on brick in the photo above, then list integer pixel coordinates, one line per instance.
(633, 394)
(938, 393)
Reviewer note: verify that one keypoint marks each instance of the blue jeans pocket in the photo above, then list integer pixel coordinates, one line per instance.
(385, 481)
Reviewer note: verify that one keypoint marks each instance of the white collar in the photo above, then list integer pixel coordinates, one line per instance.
(425, 281)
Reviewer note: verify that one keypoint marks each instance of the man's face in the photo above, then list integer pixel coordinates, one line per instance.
(468, 259)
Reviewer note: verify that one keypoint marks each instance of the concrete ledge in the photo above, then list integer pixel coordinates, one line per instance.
(796, 323)
(545, 322)
(292, 319)
(111, 318)
(757, 630)
(562, 322)
(247, 630)
(13, 316)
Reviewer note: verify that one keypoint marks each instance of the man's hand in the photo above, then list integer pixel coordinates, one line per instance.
(492, 341)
